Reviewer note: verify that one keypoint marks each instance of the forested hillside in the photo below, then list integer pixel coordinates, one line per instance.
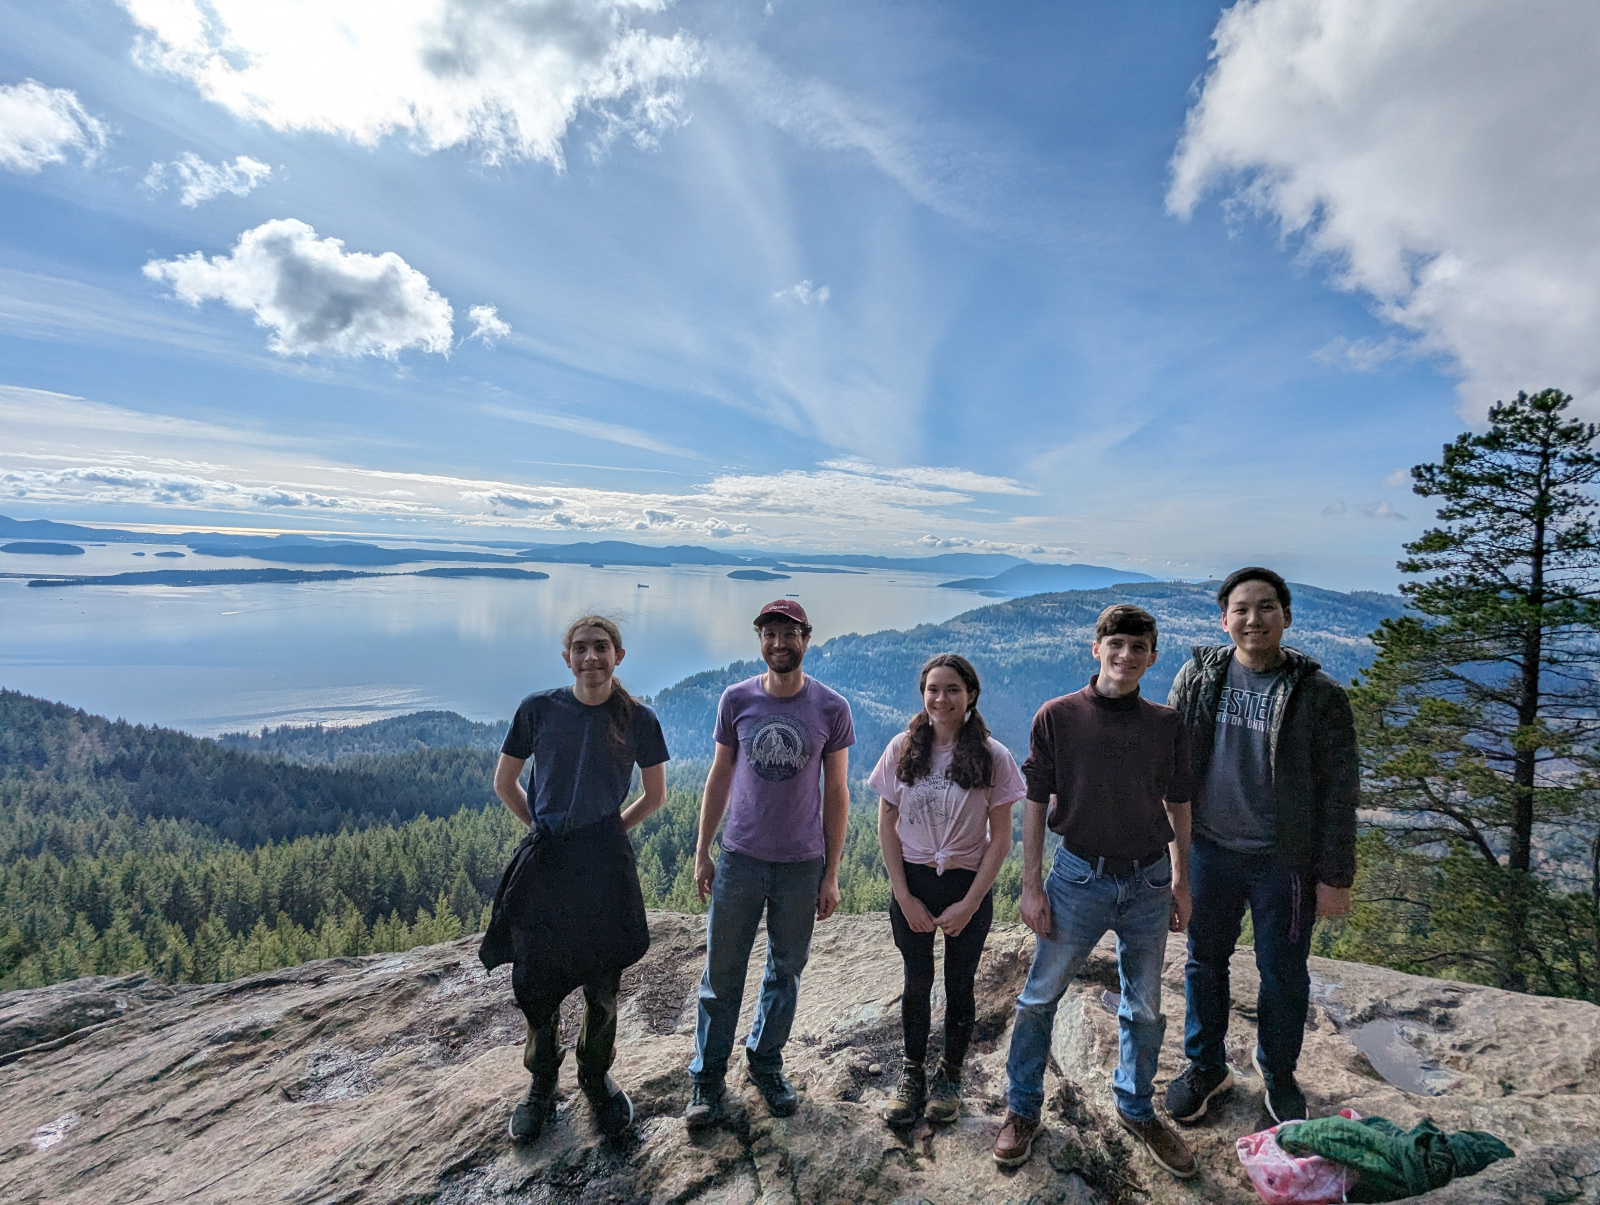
(1026, 651)
(124, 846)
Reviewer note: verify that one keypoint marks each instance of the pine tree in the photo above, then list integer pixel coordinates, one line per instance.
(1478, 719)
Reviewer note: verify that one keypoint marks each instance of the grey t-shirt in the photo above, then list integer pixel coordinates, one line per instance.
(1234, 805)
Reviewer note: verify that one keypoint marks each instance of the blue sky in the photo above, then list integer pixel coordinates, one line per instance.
(1159, 285)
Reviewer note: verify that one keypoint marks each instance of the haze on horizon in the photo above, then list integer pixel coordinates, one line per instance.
(1163, 286)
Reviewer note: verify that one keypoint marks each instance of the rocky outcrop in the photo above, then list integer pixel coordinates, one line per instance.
(389, 1079)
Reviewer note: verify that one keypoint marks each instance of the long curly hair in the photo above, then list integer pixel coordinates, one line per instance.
(973, 764)
(619, 732)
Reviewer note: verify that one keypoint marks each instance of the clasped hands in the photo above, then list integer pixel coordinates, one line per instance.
(952, 920)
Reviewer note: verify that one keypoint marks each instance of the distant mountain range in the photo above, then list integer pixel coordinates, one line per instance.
(1026, 651)
(1034, 578)
(309, 550)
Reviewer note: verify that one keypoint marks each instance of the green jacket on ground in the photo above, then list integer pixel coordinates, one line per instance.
(1315, 770)
(1394, 1164)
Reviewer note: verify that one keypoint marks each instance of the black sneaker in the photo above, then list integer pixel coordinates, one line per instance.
(538, 1107)
(1190, 1094)
(776, 1090)
(613, 1111)
(1284, 1099)
(705, 1105)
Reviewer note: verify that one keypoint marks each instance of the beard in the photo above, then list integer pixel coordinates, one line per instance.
(783, 660)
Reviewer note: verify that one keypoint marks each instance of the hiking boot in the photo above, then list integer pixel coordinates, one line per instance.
(705, 1105)
(944, 1094)
(538, 1107)
(1163, 1143)
(905, 1106)
(775, 1089)
(1015, 1143)
(613, 1111)
(1284, 1099)
(1190, 1094)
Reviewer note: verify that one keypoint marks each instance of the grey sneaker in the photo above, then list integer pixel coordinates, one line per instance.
(705, 1105)
(905, 1106)
(538, 1107)
(1191, 1093)
(944, 1094)
(1284, 1099)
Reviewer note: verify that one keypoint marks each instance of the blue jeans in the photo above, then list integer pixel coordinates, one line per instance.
(1283, 907)
(743, 888)
(1083, 906)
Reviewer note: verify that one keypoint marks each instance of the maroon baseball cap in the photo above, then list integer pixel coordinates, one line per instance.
(783, 608)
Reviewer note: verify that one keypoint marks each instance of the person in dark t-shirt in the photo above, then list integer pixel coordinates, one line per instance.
(1117, 767)
(1277, 781)
(569, 912)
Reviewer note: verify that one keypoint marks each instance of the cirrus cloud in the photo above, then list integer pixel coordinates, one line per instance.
(315, 296)
(199, 181)
(1440, 152)
(40, 125)
(507, 77)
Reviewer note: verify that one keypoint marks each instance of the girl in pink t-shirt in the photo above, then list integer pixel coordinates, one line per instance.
(945, 790)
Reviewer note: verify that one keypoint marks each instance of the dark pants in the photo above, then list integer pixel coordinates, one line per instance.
(597, 1036)
(961, 954)
(1283, 907)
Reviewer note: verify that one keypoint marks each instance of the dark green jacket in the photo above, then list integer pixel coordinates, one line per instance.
(1315, 772)
(1393, 1164)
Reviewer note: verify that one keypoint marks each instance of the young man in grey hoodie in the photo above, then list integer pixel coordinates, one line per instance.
(1277, 781)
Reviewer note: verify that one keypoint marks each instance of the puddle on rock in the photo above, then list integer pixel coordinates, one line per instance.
(52, 1132)
(1110, 1001)
(1385, 1042)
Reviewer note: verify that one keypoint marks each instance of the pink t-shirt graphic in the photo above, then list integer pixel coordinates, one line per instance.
(941, 824)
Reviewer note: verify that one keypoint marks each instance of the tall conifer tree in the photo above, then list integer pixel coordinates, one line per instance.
(1479, 716)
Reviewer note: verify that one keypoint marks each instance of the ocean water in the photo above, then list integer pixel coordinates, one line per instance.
(217, 658)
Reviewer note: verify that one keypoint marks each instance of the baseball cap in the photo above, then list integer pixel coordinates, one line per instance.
(784, 608)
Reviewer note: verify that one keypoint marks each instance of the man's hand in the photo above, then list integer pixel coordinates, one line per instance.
(1036, 909)
(704, 871)
(954, 918)
(828, 896)
(1332, 902)
(1182, 908)
(918, 918)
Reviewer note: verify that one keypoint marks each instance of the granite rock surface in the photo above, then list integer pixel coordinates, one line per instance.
(390, 1079)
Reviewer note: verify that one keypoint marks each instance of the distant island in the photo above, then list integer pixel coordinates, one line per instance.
(41, 548)
(1034, 578)
(757, 575)
(990, 573)
(245, 577)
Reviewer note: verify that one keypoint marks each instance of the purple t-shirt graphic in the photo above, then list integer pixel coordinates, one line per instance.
(775, 804)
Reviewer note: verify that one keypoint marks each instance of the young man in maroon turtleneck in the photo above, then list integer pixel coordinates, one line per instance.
(1117, 767)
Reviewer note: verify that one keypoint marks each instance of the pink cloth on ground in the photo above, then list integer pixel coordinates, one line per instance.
(940, 824)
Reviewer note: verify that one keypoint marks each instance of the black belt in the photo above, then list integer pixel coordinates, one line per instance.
(1117, 868)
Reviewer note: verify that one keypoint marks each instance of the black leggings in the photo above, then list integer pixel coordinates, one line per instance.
(961, 954)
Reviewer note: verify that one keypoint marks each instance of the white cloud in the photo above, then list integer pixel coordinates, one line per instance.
(487, 325)
(1363, 355)
(313, 295)
(1381, 510)
(507, 77)
(1398, 478)
(200, 181)
(1441, 152)
(805, 294)
(1335, 508)
(944, 478)
(40, 125)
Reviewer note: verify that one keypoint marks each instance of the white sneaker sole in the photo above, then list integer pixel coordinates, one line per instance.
(1226, 1085)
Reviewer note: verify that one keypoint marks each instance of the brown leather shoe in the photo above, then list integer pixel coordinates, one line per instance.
(1164, 1145)
(1015, 1143)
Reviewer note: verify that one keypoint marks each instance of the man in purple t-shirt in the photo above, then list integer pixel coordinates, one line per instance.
(782, 753)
